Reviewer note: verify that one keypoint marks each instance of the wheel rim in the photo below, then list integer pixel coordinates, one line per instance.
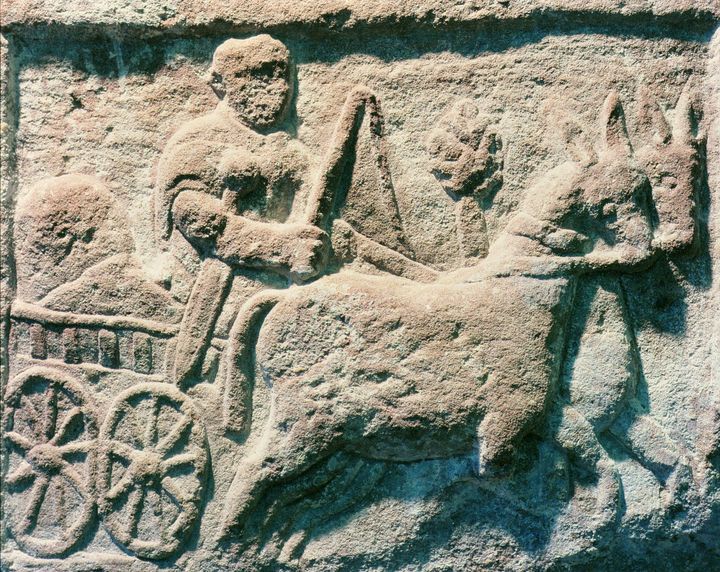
(151, 469)
(50, 434)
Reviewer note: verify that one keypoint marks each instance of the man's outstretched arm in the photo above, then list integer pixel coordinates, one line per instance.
(295, 250)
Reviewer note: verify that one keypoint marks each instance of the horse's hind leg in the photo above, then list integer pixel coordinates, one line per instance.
(283, 454)
(286, 507)
(340, 495)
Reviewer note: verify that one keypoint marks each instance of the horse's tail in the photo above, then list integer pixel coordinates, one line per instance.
(240, 367)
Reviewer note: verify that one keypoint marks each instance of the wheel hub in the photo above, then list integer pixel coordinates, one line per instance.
(147, 466)
(45, 458)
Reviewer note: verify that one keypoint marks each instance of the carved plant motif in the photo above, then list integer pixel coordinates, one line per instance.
(466, 157)
(466, 151)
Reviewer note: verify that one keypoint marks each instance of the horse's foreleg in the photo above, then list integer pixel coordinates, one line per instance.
(591, 516)
(648, 441)
(654, 450)
(577, 436)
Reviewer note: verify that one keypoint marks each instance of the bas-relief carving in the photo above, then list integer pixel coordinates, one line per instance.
(298, 348)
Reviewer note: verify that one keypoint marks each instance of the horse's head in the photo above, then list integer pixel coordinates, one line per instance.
(614, 200)
(672, 156)
(592, 213)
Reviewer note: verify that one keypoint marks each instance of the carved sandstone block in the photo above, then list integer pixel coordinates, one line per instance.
(360, 285)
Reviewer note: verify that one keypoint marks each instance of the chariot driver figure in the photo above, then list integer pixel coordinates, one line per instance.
(226, 185)
(234, 206)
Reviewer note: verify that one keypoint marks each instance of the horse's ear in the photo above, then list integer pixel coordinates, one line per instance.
(684, 118)
(652, 122)
(614, 132)
(576, 144)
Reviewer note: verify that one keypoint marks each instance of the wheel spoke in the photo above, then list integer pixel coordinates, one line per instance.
(135, 506)
(125, 482)
(174, 435)
(66, 424)
(22, 473)
(178, 461)
(174, 490)
(76, 447)
(50, 412)
(123, 450)
(19, 441)
(37, 496)
(127, 415)
(74, 477)
(180, 523)
(151, 428)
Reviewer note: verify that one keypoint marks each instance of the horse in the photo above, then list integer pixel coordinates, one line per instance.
(395, 369)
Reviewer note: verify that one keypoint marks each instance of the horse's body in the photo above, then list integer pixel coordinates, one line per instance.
(396, 370)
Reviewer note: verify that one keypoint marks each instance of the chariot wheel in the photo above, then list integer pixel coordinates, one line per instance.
(151, 469)
(49, 435)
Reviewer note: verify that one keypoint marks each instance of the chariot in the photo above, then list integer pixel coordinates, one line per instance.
(142, 467)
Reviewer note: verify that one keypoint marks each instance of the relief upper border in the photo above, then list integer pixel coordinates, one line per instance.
(178, 17)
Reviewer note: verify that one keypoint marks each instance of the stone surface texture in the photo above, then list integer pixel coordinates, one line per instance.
(366, 285)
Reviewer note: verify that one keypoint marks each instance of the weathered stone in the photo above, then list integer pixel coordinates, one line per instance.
(360, 285)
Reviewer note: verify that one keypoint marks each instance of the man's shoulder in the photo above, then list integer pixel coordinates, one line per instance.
(194, 144)
(209, 127)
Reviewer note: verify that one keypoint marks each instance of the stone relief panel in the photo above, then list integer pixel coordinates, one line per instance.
(350, 300)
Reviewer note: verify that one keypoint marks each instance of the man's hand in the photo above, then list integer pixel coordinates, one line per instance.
(296, 250)
(306, 250)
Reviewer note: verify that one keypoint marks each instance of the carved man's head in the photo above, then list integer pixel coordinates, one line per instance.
(254, 78)
(63, 226)
(466, 152)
